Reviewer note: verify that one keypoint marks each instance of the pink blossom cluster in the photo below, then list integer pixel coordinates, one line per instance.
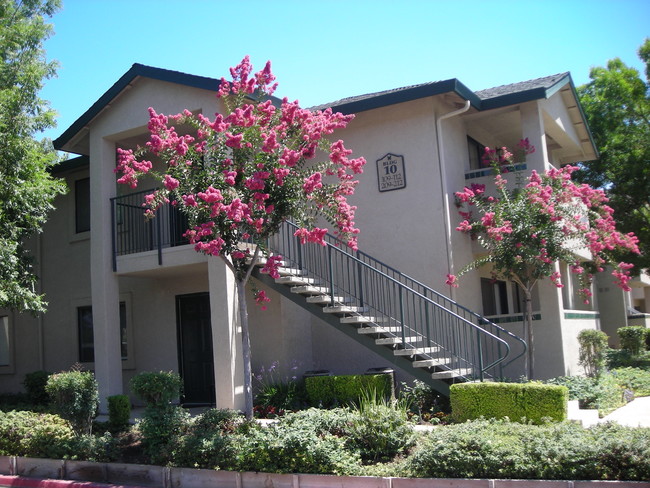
(242, 173)
(527, 229)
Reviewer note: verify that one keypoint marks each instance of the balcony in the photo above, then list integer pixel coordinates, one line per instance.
(133, 232)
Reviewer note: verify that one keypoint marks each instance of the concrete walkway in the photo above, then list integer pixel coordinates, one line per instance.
(634, 414)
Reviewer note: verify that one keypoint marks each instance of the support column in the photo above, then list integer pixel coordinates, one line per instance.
(226, 336)
(104, 283)
(532, 127)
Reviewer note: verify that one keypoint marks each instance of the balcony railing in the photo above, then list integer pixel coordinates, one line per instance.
(134, 233)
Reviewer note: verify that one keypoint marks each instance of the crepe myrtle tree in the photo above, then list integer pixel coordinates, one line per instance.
(239, 176)
(525, 230)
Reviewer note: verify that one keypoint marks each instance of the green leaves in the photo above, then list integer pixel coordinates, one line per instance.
(26, 187)
(617, 107)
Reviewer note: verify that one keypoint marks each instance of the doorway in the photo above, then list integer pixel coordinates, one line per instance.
(195, 357)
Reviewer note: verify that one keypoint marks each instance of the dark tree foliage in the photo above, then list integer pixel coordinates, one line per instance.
(26, 186)
(617, 107)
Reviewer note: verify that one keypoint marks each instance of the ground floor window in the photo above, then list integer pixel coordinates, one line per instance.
(503, 298)
(86, 336)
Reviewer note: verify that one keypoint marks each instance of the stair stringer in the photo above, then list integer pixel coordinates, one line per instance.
(401, 362)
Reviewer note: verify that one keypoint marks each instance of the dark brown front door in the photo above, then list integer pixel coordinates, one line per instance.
(196, 362)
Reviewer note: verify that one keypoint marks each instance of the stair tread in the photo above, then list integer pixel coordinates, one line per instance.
(326, 299)
(310, 290)
(398, 339)
(296, 280)
(362, 319)
(343, 309)
(429, 363)
(415, 351)
(451, 373)
(379, 329)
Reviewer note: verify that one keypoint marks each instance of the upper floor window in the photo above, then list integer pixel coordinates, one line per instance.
(82, 205)
(475, 153)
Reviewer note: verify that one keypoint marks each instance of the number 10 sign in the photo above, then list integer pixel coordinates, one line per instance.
(390, 172)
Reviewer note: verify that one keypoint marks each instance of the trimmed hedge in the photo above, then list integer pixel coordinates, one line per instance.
(329, 391)
(530, 401)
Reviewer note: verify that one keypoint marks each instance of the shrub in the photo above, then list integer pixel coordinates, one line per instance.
(424, 401)
(632, 338)
(74, 397)
(156, 388)
(161, 427)
(119, 411)
(34, 384)
(634, 379)
(531, 401)
(330, 391)
(33, 434)
(212, 440)
(620, 358)
(593, 344)
(299, 443)
(603, 393)
(380, 429)
(499, 449)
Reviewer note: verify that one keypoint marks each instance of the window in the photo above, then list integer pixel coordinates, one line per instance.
(475, 153)
(495, 297)
(5, 349)
(86, 337)
(82, 205)
(518, 299)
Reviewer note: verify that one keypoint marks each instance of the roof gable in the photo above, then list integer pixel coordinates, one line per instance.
(137, 70)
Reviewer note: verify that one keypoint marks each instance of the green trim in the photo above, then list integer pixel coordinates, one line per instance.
(512, 318)
(194, 81)
(70, 165)
(581, 315)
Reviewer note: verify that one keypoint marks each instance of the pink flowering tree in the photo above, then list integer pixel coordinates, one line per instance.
(238, 176)
(541, 220)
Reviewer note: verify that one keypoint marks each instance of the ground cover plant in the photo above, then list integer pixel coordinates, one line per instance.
(374, 437)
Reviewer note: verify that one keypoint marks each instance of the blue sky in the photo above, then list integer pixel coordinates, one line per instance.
(325, 50)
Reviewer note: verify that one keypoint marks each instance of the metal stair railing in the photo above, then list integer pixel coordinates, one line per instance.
(419, 318)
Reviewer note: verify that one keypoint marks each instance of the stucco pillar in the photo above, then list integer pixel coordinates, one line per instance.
(104, 283)
(532, 127)
(226, 336)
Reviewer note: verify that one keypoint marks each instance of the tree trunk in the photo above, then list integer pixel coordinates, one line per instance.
(246, 349)
(530, 367)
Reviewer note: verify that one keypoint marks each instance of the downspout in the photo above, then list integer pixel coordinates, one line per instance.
(445, 195)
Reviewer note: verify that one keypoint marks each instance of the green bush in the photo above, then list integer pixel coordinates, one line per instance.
(564, 451)
(620, 358)
(212, 440)
(161, 427)
(34, 384)
(380, 429)
(74, 396)
(299, 443)
(634, 379)
(632, 338)
(156, 388)
(119, 411)
(424, 401)
(593, 344)
(533, 402)
(331, 391)
(33, 434)
(601, 393)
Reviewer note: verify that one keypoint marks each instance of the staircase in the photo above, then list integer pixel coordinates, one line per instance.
(406, 322)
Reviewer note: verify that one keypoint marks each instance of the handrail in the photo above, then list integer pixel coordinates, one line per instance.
(365, 265)
(459, 336)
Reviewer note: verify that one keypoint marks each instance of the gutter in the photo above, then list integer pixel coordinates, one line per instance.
(445, 191)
